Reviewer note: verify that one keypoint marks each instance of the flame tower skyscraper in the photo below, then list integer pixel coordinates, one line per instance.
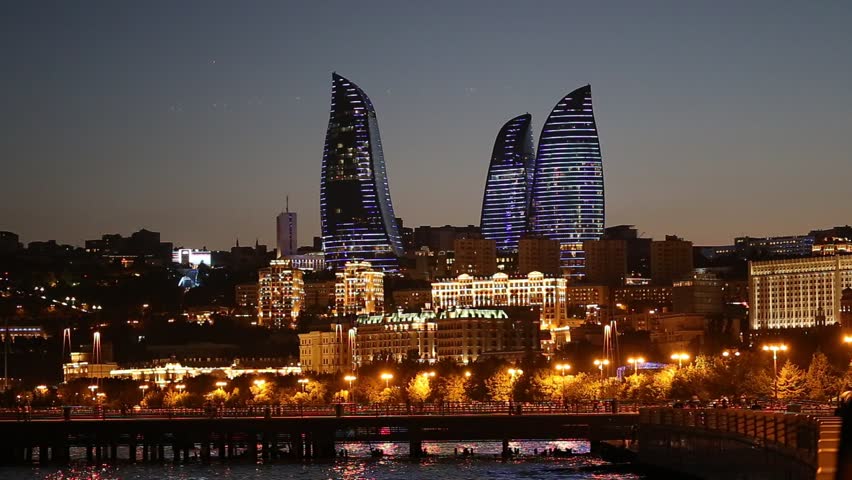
(358, 222)
(568, 186)
(506, 201)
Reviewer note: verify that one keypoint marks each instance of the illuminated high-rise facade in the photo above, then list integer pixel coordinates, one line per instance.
(505, 204)
(568, 188)
(358, 221)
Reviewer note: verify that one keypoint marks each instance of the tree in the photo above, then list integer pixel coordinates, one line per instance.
(791, 381)
(418, 389)
(500, 386)
(545, 386)
(581, 387)
(262, 392)
(453, 389)
(822, 379)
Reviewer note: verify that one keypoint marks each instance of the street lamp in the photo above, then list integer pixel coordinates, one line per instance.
(562, 368)
(775, 348)
(680, 357)
(221, 384)
(515, 371)
(467, 374)
(387, 378)
(303, 382)
(180, 387)
(601, 363)
(350, 379)
(260, 382)
(635, 362)
(92, 389)
(428, 374)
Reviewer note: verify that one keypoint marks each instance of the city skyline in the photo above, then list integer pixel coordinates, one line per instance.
(196, 122)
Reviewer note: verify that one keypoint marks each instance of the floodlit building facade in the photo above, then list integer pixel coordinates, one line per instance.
(466, 334)
(395, 337)
(505, 203)
(281, 293)
(568, 187)
(359, 290)
(798, 292)
(327, 351)
(358, 221)
(500, 290)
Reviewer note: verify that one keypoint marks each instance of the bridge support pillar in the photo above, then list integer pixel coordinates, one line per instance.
(131, 452)
(113, 451)
(222, 447)
(205, 450)
(274, 446)
(251, 446)
(161, 451)
(43, 456)
(322, 445)
(264, 446)
(506, 453)
(297, 445)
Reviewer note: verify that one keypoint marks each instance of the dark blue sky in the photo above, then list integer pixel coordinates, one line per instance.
(196, 119)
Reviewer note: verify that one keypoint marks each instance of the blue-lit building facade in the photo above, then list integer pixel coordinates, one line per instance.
(358, 221)
(505, 204)
(568, 188)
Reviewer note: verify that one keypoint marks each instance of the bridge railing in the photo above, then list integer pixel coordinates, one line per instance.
(342, 409)
(811, 439)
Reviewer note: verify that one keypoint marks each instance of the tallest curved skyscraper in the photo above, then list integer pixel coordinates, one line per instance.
(568, 187)
(358, 221)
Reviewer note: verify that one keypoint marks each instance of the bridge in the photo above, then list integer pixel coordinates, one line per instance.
(739, 444)
(271, 433)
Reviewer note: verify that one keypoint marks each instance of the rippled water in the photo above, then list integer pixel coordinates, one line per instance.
(442, 464)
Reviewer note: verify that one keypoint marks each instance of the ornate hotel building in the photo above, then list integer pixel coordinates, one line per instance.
(281, 294)
(359, 290)
(500, 290)
(798, 292)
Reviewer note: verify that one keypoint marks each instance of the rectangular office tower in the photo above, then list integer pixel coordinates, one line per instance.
(286, 234)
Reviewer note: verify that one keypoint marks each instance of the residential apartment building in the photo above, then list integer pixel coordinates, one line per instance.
(280, 295)
(359, 290)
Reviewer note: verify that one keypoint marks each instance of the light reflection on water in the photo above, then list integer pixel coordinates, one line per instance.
(442, 464)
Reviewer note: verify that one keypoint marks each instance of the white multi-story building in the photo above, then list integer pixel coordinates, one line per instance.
(500, 290)
(798, 292)
(359, 290)
(281, 294)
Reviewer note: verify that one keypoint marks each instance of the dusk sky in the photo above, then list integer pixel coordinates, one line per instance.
(195, 119)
